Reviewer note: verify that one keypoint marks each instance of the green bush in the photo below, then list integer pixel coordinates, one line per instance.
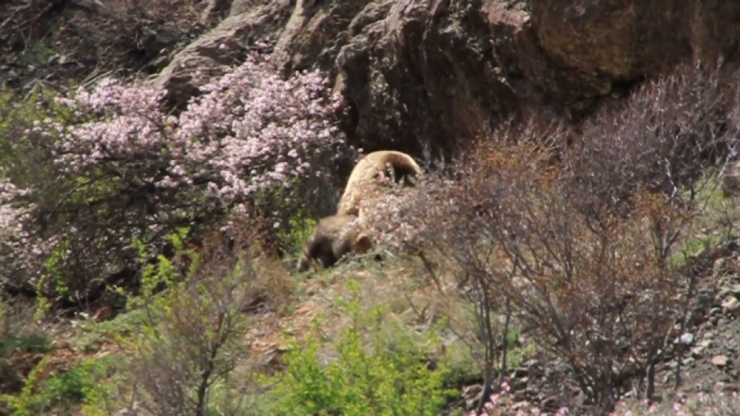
(373, 373)
(62, 391)
(27, 343)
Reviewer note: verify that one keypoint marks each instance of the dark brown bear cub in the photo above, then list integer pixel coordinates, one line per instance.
(333, 237)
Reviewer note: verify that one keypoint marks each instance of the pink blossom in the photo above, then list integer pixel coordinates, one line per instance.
(250, 134)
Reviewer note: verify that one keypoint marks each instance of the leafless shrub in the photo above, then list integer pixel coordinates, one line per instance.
(194, 340)
(578, 241)
(661, 138)
(132, 33)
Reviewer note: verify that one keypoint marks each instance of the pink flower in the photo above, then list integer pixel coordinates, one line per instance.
(249, 136)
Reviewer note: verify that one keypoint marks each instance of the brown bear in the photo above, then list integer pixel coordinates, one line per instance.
(333, 237)
(364, 181)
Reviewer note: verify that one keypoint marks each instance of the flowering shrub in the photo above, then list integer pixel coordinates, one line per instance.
(110, 165)
(385, 218)
(250, 132)
(716, 403)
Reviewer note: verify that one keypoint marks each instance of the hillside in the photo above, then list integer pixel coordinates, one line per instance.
(571, 247)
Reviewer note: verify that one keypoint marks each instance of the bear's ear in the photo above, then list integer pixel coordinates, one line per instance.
(363, 243)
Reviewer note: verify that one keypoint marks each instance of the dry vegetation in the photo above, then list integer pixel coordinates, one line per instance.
(579, 245)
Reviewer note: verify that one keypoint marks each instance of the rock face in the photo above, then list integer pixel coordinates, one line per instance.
(225, 45)
(438, 71)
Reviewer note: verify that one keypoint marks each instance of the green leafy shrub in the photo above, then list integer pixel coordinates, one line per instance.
(27, 343)
(62, 391)
(372, 373)
(301, 227)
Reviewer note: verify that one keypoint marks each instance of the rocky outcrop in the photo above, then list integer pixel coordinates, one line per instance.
(580, 51)
(438, 71)
(225, 45)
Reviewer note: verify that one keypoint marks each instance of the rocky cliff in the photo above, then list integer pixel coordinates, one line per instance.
(438, 71)
(413, 71)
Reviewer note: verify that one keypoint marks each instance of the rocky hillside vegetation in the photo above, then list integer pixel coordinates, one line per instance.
(571, 247)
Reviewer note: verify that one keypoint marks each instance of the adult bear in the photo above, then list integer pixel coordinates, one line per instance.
(364, 181)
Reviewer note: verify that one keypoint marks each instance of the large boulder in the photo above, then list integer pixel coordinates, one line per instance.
(417, 72)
